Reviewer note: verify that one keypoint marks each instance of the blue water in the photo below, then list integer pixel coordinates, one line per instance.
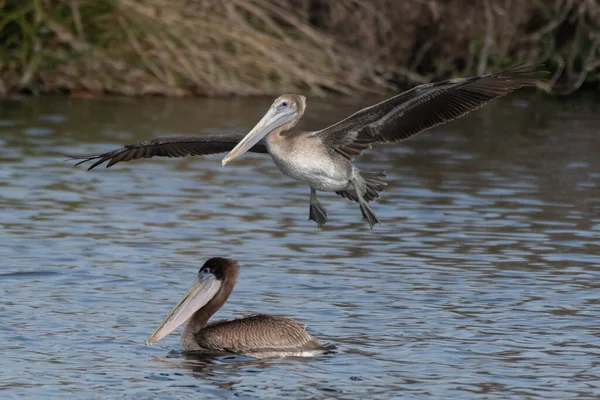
(482, 282)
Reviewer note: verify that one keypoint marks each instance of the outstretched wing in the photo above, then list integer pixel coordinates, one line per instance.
(173, 146)
(421, 108)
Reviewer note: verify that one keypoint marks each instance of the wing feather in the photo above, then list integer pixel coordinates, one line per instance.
(259, 333)
(421, 108)
(171, 146)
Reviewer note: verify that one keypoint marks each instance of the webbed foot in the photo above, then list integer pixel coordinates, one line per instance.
(318, 214)
(368, 214)
(316, 211)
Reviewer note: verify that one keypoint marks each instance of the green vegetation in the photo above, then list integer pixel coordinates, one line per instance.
(255, 47)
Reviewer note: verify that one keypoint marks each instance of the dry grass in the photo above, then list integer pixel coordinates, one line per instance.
(256, 47)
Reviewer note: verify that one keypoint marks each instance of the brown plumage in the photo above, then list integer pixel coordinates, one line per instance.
(258, 335)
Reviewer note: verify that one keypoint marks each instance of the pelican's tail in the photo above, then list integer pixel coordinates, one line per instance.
(373, 182)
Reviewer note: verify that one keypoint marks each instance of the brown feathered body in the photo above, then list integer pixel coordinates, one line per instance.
(252, 334)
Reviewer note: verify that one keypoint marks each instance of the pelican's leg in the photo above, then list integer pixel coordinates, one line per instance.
(316, 212)
(365, 210)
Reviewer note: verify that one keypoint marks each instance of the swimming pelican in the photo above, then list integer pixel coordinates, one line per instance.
(257, 335)
(322, 159)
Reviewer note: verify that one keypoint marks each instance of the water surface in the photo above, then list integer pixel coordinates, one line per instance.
(482, 282)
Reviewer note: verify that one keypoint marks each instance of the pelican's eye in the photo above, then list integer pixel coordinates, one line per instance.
(284, 104)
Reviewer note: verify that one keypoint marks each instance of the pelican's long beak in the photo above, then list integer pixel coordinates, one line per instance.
(273, 119)
(200, 293)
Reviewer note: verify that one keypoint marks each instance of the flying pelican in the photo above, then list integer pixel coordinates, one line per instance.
(322, 159)
(257, 335)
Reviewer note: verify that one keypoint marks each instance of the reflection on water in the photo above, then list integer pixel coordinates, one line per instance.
(482, 279)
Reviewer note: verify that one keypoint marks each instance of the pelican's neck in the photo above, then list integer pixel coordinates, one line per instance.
(280, 132)
(200, 318)
(277, 137)
(192, 327)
